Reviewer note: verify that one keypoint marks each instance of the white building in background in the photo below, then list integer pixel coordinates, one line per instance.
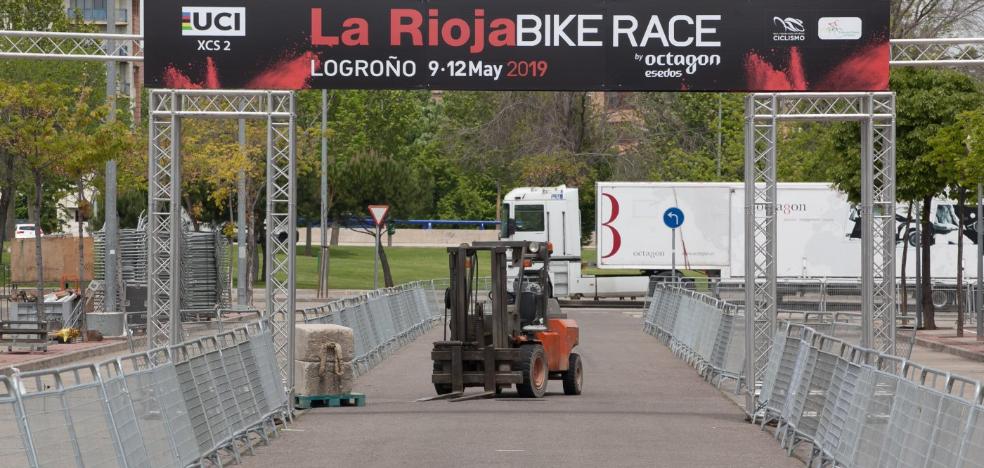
(129, 76)
(129, 20)
(68, 208)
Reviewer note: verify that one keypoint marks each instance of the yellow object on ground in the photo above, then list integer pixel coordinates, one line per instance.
(66, 335)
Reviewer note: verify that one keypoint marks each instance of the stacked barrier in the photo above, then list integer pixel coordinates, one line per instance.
(855, 406)
(382, 320)
(186, 405)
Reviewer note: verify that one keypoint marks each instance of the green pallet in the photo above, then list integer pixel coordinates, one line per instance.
(329, 401)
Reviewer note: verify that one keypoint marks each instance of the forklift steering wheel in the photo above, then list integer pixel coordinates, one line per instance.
(510, 297)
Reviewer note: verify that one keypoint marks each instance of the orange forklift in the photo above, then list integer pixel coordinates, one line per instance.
(499, 338)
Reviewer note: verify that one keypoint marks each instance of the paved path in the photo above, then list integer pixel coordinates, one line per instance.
(641, 407)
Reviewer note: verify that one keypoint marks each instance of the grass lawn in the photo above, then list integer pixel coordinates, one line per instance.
(351, 267)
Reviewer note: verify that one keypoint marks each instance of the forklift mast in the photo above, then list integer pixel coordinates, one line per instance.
(468, 320)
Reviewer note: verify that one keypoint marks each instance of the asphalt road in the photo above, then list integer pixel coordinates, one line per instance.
(641, 407)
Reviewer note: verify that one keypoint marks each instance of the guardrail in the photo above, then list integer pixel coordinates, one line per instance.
(855, 406)
(189, 404)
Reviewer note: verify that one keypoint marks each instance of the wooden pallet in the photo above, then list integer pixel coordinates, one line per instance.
(329, 401)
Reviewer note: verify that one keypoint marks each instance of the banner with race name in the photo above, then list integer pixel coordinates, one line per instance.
(603, 45)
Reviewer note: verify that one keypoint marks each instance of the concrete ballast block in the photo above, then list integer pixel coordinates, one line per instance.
(310, 341)
(308, 380)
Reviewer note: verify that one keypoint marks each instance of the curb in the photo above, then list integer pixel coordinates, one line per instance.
(949, 349)
(113, 348)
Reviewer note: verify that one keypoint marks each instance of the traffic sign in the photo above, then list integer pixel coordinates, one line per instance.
(378, 213)
(673, 218)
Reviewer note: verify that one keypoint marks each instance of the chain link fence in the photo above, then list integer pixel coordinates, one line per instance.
(854, 406)
(190, 404)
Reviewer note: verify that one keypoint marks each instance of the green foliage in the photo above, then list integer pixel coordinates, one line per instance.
(958, 151)
(676, 137)
(49, 208)
(49, 15)
(470, 198)
(372, 178)
(927, 100)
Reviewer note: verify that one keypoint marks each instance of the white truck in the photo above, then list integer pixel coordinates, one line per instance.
(818, 233)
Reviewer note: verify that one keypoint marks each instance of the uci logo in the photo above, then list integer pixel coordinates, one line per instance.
(213, 21)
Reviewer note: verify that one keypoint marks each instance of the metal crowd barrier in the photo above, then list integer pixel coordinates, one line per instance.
(192, 404)
(855, 407)
(383, 320)
(706, 332)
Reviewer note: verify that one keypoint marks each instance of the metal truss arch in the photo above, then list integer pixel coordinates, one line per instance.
(71, 46)
(937, 52)
(167, 109)
(876, 114)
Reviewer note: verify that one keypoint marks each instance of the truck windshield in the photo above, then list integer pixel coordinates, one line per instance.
(529, 218)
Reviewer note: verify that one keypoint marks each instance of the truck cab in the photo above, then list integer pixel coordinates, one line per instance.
(552, 215)
(549, 215)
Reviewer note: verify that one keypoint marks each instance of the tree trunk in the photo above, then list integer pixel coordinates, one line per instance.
(6, 197)
(32, 213)
(307, 240)
(335, 228)
(387, 276)
(961, 203)
(251, 260)
(78, 214)
(11, 221)
(191, 214)
(498, 201)
(38, 260)
(904, 304)
(928, 310)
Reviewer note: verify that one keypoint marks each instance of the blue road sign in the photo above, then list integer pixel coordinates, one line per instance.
(673, 217)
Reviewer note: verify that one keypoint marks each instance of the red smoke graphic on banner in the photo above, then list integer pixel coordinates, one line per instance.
(291, 73)
(866, 69)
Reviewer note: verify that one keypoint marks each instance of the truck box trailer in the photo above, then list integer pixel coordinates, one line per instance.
(819, 233)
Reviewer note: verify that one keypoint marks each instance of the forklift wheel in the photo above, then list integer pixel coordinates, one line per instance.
(533, 364)
(441, 388)
(574, 376)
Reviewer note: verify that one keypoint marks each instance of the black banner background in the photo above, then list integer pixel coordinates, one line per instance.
(276, 51)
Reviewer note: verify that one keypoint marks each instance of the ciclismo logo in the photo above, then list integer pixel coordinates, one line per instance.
(213, 21)
(788, 29)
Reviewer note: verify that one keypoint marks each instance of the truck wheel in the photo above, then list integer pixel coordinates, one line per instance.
(533, 365)
(574, 376)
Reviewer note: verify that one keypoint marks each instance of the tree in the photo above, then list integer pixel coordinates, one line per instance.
(375, 179)
(552, 169)
(958, 162)
(926, 101)
(55, 133)
(935, 18)
(36, 15)
(494, 134)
